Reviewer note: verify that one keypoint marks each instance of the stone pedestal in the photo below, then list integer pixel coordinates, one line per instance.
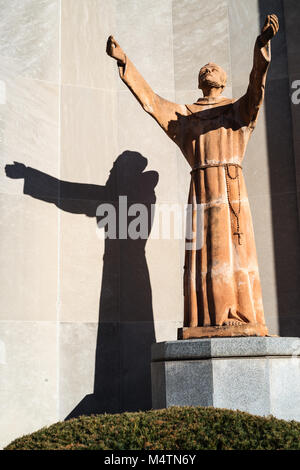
(248, 329)
(260, 375)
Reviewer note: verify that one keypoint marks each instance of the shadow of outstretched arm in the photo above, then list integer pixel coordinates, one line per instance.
(76, 198)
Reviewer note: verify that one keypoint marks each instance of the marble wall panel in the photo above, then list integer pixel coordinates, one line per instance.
(200, 35)
(291, 19)
(81, 267)
(295, 117)
(289, 325)
(85, 27)
(277, 241)
(272, 321)
(136, 340)
(90, 368)
(29, 126)
(106, 367)
(88, 134)
(291, 16)
(167, 330)
(279, 66)
(29, 36)
(245, 22)
(279, 131)
(29, 244)
(166, 276)
(138, 132)
(287, 253)
(183, 177)
(29, 115)
(88, 152)
(261, 209)
(77, 350)
(131, 12)
(269, 160)
(244, 27)
(28, 386)
(144, 30)
(255, 163)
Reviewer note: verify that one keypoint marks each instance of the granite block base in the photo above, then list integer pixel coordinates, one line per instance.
(260, 375)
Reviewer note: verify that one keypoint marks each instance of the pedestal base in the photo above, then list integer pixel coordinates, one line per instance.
(257, 375)
(248, 329)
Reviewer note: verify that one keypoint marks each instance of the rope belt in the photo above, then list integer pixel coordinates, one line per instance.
(212, 165)
(228, 177)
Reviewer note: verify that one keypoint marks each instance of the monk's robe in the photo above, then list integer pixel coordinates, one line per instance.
(221, 278)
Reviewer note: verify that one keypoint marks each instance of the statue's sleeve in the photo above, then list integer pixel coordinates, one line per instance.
(250, 103)
(163, 111)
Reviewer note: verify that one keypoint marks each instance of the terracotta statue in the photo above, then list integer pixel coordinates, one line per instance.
(221, 280)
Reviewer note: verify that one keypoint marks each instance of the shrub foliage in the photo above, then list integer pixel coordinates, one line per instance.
(177, 428)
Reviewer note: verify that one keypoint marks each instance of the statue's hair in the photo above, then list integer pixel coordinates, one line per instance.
(223, 75)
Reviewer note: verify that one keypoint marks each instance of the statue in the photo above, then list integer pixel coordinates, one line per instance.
(222, 290)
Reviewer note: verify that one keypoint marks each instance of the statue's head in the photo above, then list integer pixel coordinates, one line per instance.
(212, 76)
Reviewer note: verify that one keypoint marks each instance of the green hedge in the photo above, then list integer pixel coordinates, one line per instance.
(175, 428)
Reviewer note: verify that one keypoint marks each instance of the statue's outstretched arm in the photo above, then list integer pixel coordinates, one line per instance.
(252, 100)
(163, 111)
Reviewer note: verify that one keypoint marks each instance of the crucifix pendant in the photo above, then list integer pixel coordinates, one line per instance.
(239, 235)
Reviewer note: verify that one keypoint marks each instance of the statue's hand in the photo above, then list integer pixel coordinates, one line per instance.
(270, 29)
(15, 171)
(114, 50)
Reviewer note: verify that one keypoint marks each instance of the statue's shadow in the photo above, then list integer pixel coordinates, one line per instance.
(125, 329)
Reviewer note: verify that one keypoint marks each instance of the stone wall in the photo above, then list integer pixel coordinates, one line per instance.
(78, 315)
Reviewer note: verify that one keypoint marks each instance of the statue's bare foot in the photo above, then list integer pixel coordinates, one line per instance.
(230, 322)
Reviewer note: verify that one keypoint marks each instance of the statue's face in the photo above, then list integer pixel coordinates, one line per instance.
(212, 75)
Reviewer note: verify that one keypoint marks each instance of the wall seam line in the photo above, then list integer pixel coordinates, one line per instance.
(58, 305)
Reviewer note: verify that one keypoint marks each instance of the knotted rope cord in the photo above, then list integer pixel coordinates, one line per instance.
(236, 214)
(227, 177)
